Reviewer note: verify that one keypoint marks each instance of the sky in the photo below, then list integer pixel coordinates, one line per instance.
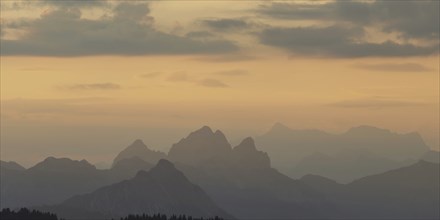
(83, 79)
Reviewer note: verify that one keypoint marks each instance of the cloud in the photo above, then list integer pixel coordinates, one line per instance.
(225, 24)
(200, 35)
(179, 77)
(412, 19)
(212, 83)
(236, 72)
(375, 103)
(394, 67)
(183, 77)
(127, 31)
(337, 41)
(94, 86)
(227, 58)
(90, 4)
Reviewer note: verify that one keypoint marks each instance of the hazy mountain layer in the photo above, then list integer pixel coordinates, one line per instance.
(163, 189)
(54, 180)
(364, 150)
(140, 150)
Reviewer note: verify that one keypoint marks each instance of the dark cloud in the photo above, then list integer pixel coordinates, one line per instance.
(225, 24)
(336, 41)
(17, 5)
(237, 72)
(129, 31)
(412, 19)
(394, 67)
(94, 86)
(375, 103)
(213, 83)
(200, 34)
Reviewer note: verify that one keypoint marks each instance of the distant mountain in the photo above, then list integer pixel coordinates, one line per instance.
(410, 192)
(200, 147)
(247, 155)
(287, 147)
(56, 179)
(11, 165)
(49, 182)
(241, 179)
(322, 184)
(52, 164)
(345, 167)
(140, 150)
(163, 189)
(431, 156)
(128, 168)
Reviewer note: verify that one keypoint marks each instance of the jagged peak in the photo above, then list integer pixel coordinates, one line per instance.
(203, 130)
(247, 144)
(219, 133)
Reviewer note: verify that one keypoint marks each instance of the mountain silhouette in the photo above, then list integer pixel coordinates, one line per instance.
(431, 156)
(288, 148)
(52, 164)
(240, 179)
(163, 189)
(49, 182)
(410, 192)
(346, 166)
(247, 154)
(11, 165)
(407, 192)
(128, 168)
(140, 150)
(56, 179)
(201, 146)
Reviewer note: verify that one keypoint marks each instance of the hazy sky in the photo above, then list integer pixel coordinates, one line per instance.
(85, 78)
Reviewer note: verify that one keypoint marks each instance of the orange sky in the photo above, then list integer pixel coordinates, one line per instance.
(246, 89)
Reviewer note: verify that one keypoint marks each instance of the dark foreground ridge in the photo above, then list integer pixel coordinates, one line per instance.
(164, 217)
(26, 214)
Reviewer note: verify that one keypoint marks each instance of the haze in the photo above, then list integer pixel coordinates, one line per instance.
(85, 79)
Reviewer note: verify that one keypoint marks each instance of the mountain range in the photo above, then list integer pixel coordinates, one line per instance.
(361, 151)
(163, 189)
(203, 175)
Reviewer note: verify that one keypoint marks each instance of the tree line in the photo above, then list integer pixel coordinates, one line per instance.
(164, 217)
(26, 214)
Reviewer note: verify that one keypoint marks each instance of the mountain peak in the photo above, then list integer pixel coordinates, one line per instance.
(163, 168)
(205, 130)
(200, 146)
(140, 150)
(278, 126)
(248, 155)
(247, 144)
(165, 164)
(138, 143)
(62, 164)
(11, 165)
